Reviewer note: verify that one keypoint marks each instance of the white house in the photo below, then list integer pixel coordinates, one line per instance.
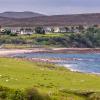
(48, 29)
(20, 30)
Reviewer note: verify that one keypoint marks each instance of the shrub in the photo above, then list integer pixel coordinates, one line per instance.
(94, 96)
(33, 94)
(3, 95)
(16, 95)
(3, 92)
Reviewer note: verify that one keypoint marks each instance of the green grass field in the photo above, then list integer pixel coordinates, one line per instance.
(58, 82)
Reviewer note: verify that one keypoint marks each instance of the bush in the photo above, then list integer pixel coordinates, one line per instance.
(3, 95)
(3, 92)
(94, 96)
(16, 95)
(33, 94)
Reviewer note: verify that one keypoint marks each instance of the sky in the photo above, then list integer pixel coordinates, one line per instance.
(51, 7)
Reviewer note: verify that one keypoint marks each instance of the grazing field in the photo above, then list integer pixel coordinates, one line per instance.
(58, 82)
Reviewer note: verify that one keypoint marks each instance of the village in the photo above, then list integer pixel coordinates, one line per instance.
(45, 29)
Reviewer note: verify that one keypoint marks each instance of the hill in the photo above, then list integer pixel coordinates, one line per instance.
(55, 20)
(25, 14)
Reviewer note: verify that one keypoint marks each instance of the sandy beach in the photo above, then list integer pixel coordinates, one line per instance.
(5, 52)
(76, 50)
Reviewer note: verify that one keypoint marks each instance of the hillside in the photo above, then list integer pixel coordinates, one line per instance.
(55, 20)
(25, 14)
(21, 74)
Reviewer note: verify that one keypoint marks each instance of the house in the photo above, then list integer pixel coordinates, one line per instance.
(62, 30)
(47, 29)
(56, 29)
(28, 30)
(19, 30)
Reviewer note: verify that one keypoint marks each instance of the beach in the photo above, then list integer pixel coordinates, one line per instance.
(6, 52)
(76, 50)
(74, 59)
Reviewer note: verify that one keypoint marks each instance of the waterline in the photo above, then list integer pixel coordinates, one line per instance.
(87, 63)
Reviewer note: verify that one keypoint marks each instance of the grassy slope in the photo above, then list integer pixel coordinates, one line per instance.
(23, 74)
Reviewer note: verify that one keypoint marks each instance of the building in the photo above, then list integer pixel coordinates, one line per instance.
(19, 30)
(47, 29)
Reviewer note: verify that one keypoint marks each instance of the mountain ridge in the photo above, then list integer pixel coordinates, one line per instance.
(54, 20)
(24, 14)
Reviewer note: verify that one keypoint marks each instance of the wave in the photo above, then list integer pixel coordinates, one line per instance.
(72, 68)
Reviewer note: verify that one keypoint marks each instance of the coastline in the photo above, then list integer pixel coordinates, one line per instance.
(6, 52)
(77, 50)
(9, 52)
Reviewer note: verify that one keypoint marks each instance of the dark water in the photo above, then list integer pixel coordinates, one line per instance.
(88, 63)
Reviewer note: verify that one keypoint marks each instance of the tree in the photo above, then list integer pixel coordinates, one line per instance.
(39, 30)
(81, 27)
(6, 32)
(52, 30)
(67, 29)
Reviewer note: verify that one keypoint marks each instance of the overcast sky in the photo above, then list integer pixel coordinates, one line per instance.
(51, 7)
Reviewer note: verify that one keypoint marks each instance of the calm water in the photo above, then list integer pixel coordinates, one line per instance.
(88, 63)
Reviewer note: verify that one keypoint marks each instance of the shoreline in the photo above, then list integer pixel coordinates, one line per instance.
(6, 52)
(77, 50)
(50, 61)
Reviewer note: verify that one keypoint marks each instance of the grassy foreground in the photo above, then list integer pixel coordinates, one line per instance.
(58, 83)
